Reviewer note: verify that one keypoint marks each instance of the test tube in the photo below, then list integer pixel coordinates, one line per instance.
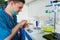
(37, 24)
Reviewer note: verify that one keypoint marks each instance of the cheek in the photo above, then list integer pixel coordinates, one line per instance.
(16, 9)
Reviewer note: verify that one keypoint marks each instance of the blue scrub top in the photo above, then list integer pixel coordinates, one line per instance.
(6, 25)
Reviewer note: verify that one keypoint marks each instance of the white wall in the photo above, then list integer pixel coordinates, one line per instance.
(23, 15)
(37, 8)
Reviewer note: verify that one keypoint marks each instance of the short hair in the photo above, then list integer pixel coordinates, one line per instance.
(23, 1)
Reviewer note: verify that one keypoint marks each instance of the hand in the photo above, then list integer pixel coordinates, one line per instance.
(27, 25)
(23, 22)
(30, 23)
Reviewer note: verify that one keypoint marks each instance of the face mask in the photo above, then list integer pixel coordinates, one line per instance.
(13, 12)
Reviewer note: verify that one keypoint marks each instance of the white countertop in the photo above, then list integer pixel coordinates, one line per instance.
(37, 34)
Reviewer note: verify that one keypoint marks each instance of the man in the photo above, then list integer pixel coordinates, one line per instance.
(8, 22)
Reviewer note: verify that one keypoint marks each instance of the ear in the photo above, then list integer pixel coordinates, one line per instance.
(11, 2)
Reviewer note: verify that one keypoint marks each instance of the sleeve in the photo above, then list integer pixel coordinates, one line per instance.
(4, 32)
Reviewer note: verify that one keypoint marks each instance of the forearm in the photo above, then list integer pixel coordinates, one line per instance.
(14, 31)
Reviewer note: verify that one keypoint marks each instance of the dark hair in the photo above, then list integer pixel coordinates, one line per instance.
(23, 1)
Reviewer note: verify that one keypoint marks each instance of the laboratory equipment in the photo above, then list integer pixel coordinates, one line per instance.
(53, 2)
(48, 28)
(53, 34)
(37, 23)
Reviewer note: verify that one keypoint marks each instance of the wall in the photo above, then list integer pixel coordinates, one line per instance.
(37, 8)
(23, 14)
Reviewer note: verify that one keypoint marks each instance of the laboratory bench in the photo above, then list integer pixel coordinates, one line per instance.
(40, 35)
(36, 34)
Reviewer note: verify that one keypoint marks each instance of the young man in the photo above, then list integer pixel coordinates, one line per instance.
(8, 22)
